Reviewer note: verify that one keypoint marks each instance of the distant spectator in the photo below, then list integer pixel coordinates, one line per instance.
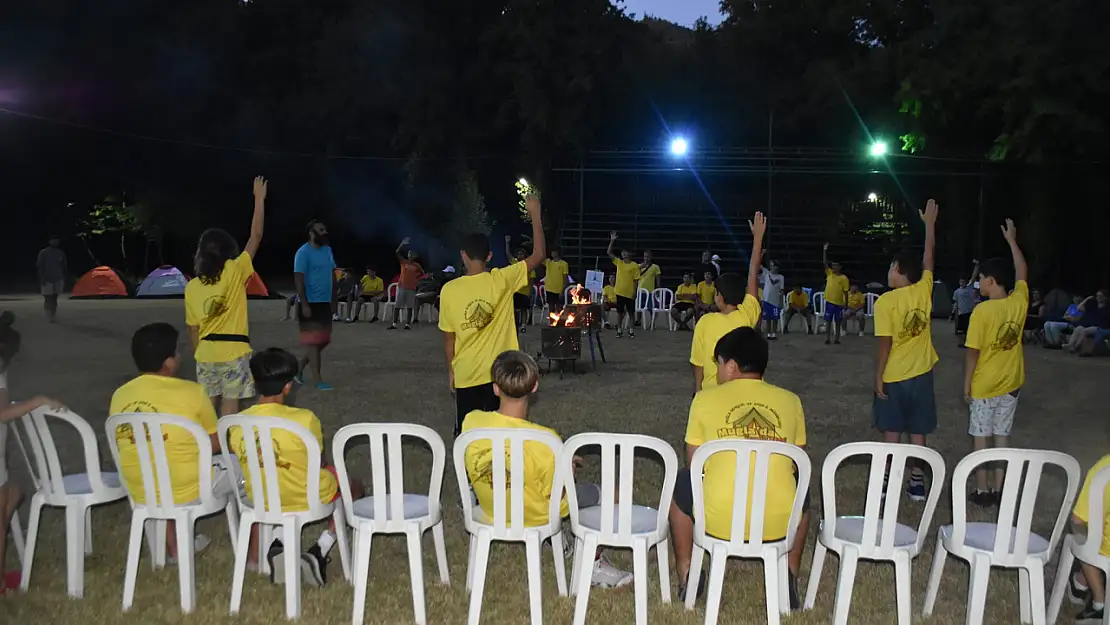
(856, 308)
(51, 265)
(371, 290)
(609, 296)
(406, 286)
(686, 298)
(707, 264)
(1035, 319)
(1096, 316)
(797, 303)
(1054, 330)
(964, 300)
(707, 293)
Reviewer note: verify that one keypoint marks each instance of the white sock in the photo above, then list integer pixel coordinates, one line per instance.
(326, 541)
(1078, 584)
(1098, 606)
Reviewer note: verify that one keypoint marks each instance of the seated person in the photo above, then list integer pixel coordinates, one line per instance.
(797, 303)
(1088, 587)
(371, 290)
(1035, 319)
(741, 406)
(273, 370)
(346, 288)
(1054, 331)
(157, 389)
(707, 294)
(686, 298)
(1096, 317)
(516, 376)
(609, 296)
(856, 308)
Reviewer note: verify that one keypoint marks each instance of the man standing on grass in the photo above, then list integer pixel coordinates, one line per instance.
(314, 275)
(52, 267)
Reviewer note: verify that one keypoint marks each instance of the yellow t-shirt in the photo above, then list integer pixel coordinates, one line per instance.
(649, 278)
(609, 293)
(291, 456)
(372, 286)
(539, 468)
(627, 274)
(686, 293)
(857, 301)
(711, 327)
(1083, 503)
(478, 310)
(798, 300)
(904, 315)
(706, 293)
(220, 308)
(835, 287)
(753, 410)
(165, 395)
(527, 288)
(556, 279)
(995, 330)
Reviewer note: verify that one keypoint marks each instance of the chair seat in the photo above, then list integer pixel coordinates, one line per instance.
(415, 506)
(78, 483)
(644, 519)
(981, 536)
(850, 529)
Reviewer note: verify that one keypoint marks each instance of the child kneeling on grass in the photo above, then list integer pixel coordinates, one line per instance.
(515, 377)
(273, 370)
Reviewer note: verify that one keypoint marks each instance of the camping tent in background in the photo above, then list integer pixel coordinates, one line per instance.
(102, 282)
(256, 288)
(165, 281)
(942, 300)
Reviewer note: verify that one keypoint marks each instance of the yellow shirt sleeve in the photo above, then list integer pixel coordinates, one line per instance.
(515, 276)
(697, 349)
(977, 328)
(244, 268)
(800, 434)
(317, 430)
(884, 322)
(191, 308)
(753, 307)
(694, 433)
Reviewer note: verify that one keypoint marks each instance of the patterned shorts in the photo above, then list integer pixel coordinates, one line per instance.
(227, 379)
(993, 416)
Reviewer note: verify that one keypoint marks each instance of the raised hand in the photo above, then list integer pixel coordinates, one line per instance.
(929, 215)
(405, 241)
(613, 236)
(1009, 231)
(532, 204)
(826, 247)
(758, 225)
(259, 188)
(508, 239)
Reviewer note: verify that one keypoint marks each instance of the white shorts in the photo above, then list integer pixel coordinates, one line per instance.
(993, 416)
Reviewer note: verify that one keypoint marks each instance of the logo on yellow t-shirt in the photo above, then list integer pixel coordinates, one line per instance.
(914, 324)
(126, 432)
(214, 307)
(241, 452)
(478, 314)
(752, 421)
(483, 467)
(1008, 337)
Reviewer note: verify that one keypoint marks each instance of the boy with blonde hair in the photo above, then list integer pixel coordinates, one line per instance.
(515, 378)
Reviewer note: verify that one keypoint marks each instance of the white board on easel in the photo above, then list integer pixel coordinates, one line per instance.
(595, 281)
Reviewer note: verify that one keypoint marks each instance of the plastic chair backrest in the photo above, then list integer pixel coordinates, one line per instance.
(1019, 500)
(624, 446)
(42, 461)
(539, 296)
(643, 299)
(386, 446)
(871, 299)
(153, 463)
(819, 302)
(261, 463)
(875, 542)
(664, 298)
(752, 457)
(1090, 550)
(391, 293)
(507, 521)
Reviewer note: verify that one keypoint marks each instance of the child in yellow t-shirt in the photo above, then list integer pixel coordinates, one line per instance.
(522, 299)
(856, 308)
(685, 300)
(797, 303)
(274, 370)
(515, 377)
(904, 401)
(1089, 587)
(741, 405)
(628, 275)
(995, 363)
(371, 290)
(556, 272)
(707, 295)
(836, 294)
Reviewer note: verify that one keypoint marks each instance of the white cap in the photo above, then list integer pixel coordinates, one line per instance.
(449, 269)
(715, 257)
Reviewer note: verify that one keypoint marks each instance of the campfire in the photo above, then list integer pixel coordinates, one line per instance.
(562, 339)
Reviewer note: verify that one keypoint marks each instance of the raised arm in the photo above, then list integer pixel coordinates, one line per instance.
(259, 217)
(405, 241)
(1009, 232)
(825, 255)
(612, 240)
(508, 248)
(539, 243)
(929, 216)
(974, 272)
(758, 226)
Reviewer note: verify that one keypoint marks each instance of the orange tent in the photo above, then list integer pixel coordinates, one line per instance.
(102, 282)
(257, 288)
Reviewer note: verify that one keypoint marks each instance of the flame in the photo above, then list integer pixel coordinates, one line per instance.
(570, 319)
(577, 296)
(553, 318)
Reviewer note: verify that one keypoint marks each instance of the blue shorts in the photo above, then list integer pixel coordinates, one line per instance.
(771, 312)
(834, 312)
(909, 407)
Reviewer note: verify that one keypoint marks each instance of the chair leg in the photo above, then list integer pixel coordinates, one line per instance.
(88, 531)
(75, 551)
(232, 513)
(1023, 596)
(717, 561)
(902, 584)
(441, 554)
(156, 538)
(341, 540)
(245, 524)
(535, 576)
(844, 584)
(416, 572)
(661, 555)
(364, 541)
(470, 562)
(560, 563)
(585, 558)
(694, 577)
(265, 537)
(640, 579)
(1063, 570)
(291, 540)
(17, 538)
(771, 583)
(134, 549)
(1035, 574)
(185, 563)
(939, 557)
(977, 589)
(478, 583)
(32, 539)
(783, 570)
(815, 568)
(576, 566)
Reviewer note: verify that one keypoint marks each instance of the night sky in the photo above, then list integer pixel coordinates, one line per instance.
(682, 12)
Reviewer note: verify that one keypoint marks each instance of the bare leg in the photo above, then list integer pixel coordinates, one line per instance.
(979, 443)
(794, 558)
(1000, 470)
(377, 302)
(862, 319)
(1094, 582)
(682, 539)
(312, 358)
(228, 405)
(892, 437)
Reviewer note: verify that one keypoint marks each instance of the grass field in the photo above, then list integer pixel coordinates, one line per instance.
(399, 376)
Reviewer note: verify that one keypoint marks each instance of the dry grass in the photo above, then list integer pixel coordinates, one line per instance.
(398, 376)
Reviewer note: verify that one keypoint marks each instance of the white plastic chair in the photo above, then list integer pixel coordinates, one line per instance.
(389, 509)
(644, 306)
(663, 300)
(262, 469)
(507, 523)
(14, 526)
(871, 299)
(1085, 547)
(773, 554)
(867, 537)
(76, 492)
(818, 301)
(986, 545)
(160, 508)
(390, 301)
(617, 522)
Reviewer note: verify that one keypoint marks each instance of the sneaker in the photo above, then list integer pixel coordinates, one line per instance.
(886, 484)
(324, 386)
(317, 564)
(702, 580)
(408, 327)
(836, 342)
(392, 326)
(1078, 595)
(335, 317)
(349, 320)
(861, 332)
(620, 333)
(828, 342)
(915, 488)
(1089, 615)
(374, 320)
(631, 334)
(608, 576)
(981, 498)
(276, 562)
(200, 543)
(523, 329)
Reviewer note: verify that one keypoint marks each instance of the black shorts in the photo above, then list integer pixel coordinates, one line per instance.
(682, 306)
(962, 321)
(684, 494)
(521, 302)
(554, 301)
(321, 316)
(626, 305)
(473, 398)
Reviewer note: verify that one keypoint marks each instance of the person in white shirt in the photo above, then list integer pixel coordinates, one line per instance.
(773, 284)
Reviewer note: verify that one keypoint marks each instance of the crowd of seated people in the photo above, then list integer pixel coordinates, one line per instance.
(1084, 327)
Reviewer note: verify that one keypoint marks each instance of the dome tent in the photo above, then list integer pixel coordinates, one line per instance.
(256, 288)
(100, 283)
(165, 281)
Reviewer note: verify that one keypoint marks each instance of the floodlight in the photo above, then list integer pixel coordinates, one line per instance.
(878, 148)
(679, 146)
(872, 197)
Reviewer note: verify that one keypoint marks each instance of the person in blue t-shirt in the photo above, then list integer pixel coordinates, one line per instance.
(314, 275)
(1054, 330)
